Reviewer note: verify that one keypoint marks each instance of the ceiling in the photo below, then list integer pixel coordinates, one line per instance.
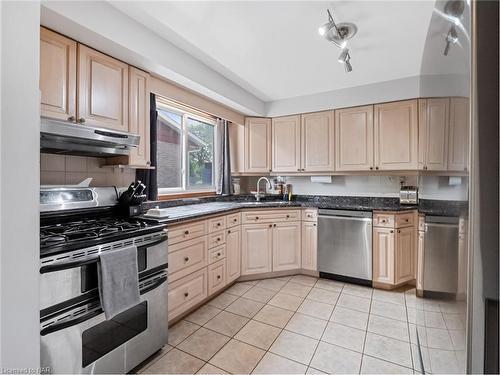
(272, 48)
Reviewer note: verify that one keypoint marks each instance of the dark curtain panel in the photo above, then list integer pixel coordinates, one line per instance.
(223, 163)
(148, 176)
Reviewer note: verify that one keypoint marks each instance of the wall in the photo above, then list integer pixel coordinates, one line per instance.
(19, 185)
(70, 170)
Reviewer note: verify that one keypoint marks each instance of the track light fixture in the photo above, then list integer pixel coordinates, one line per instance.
(339, 34)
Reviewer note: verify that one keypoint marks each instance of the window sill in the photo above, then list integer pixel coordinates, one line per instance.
(194, 194)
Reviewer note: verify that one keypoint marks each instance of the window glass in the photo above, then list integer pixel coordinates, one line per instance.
(169, 150)
(200, 152)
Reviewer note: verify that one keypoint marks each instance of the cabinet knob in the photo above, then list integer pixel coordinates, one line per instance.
(270, 225)
(298, 169)
(376, 168)
(391, 231)
(218, 277)
(218, 239)
(235, 220)
(186, 294)
(270, 170)
(288, 216)
(218, 254)
(407, 220)
(186, 232)
(274, 225)
(371, 168)
(314, 225)
(81, 120)
(425, 167)
(72, 118)
(186, 259)
(218, 224)
(399, 231)
(383, 220)
(256, 218)
(309, 215)
(229, 231)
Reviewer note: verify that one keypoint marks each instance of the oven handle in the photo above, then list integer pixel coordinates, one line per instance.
(70, 323)
(151, 287)
(67, 265)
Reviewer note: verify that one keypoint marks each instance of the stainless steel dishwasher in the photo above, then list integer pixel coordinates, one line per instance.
(345, 245)
(440, 256)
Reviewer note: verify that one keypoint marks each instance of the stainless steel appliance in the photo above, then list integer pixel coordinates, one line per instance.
(65, 137)
(345, 245)
(440, 256)
(408, 195)
(76, 225)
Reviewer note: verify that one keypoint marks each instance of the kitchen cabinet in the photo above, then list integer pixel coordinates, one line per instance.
(57, 75)
(237, 147)
(458, 144)
(383, 255)
(405, 255)
(286, 246)
(286, 144)
(216, 276)
(256, 248)
(433, 133)
(138, 119)
(396, 135)
(102, 90)
(354, 139)
(257, 145)
(233, 253)
(186, 293)
(309, 245)
(317, 134)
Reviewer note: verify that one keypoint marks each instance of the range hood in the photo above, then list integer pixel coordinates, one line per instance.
(62, 137)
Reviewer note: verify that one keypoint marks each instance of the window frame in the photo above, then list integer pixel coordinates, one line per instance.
(187, 113)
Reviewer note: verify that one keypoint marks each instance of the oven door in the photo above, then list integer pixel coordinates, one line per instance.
(81, 340)
(76, 281)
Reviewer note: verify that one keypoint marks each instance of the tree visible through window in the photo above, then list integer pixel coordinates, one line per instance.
(185, 150)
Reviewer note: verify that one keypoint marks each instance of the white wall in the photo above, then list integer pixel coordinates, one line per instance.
(443, 188)
(19, 185)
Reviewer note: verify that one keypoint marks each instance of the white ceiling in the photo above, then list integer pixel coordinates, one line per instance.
(272, 48)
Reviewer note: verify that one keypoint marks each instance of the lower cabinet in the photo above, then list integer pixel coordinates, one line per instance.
(233, 254)
(286, 246)
(256, 248)
(186, 293)
(216, 276)
(405, 255)
(383, 255)
(309, 246)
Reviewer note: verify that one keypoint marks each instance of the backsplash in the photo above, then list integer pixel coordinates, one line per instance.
(66, 169)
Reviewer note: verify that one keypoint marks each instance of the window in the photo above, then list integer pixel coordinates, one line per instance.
(185, 149)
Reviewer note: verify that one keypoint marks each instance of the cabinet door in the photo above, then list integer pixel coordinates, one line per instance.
(139, 116)
(458, 149)
(318, 142)
(256, 248)
(434, 124)
(237, 147)
(405, 254)
(102, 90)
(383, 255)
(396, 133)
(354, 139)
(57, 75)
(233, 253)
(420, 261)
(286, 246)
(286, 144)
(257, 145)
(309, 246)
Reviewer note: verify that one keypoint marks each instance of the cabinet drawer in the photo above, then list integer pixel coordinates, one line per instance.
(405, 220)
(233, 219)
(270, 216)
(186, 293)
(216, 239)
(217, 223)
(183, 232)
(216, 254)
(310, 215)
(421, 223)
(216, 276)
(187, 257)
(383, 220)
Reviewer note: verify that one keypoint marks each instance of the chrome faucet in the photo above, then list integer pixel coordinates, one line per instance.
(257, 194)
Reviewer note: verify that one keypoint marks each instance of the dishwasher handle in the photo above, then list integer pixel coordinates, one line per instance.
(349, 218)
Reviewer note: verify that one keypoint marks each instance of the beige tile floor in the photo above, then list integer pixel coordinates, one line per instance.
(301, 324)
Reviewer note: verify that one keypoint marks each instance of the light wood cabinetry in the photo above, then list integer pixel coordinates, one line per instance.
(396, 135)
(237, 147)
(138, 116)
(102, 90)
(309, 245)
(317, 134)
(257, 145)
(57, 75)
(182, 232)
(233, 253)
(405, 254)
(256, 248)
(354, 139)
(286, 246)
(458, 146)
(433, 133)
(383, 255)
(286, 144)
(187, 257)
(216, 276)
(186, 293)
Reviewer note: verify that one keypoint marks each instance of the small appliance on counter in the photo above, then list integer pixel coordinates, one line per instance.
(408, 195)
(130, 200)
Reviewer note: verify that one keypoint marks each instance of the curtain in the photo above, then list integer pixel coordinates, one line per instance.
(148, 176)
(222, 160)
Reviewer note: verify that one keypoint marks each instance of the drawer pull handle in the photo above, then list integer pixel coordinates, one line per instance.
(218, 224)
(270, 225)
(407, 220)
(186, 259)
(218, 254)
(314, 225)
(235, 220)
(309, 215)
(256, 218)
(186, 232)
(229, 231)
(383, 220)
(399, 231)
(287, 216)
(218, 277)
(391, 231)
(186, 294)
(274, 225)
(218, 239)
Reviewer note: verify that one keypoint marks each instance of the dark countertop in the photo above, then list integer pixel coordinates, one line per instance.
(189, 209)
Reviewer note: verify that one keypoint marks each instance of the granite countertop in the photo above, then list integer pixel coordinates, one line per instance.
(192, 209)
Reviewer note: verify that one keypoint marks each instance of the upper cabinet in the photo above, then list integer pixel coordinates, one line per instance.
(57, 76)
(354, 139)
(102, 90)
(286, 144)
(237, 147)
(396, 135)
(318, 142)
(138, 108)
(257, 145)
(433, 133)
(458, 145)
